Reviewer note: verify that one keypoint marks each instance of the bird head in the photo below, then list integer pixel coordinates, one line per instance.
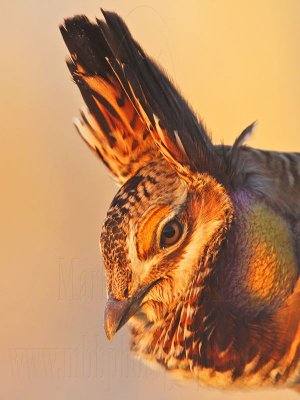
(158, 230)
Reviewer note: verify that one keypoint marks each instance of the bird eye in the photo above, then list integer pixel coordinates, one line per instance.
(171, 233)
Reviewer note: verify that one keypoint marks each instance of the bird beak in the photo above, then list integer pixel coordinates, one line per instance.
(118, 312)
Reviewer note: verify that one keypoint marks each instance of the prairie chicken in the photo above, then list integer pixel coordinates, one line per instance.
(201, 242)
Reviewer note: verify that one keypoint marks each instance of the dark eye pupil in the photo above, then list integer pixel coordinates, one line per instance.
(169, 232)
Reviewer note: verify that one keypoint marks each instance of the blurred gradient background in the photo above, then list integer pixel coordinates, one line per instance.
(235, 61)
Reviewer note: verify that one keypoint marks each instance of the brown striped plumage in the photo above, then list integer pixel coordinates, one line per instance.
(201, 242)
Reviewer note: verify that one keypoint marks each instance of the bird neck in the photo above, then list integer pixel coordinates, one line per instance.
(257, 268)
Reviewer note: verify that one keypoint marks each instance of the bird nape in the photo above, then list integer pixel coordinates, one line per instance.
(201, 242)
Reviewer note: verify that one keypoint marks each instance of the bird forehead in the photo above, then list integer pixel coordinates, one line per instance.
(153, 184)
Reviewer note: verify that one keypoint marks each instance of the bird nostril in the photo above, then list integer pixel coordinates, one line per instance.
(126, 293)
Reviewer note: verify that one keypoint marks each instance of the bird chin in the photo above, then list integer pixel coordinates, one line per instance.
(140, 322)
(140, 318)
(152, 311)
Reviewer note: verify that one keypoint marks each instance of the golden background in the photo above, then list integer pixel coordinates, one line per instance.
(236, 61)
